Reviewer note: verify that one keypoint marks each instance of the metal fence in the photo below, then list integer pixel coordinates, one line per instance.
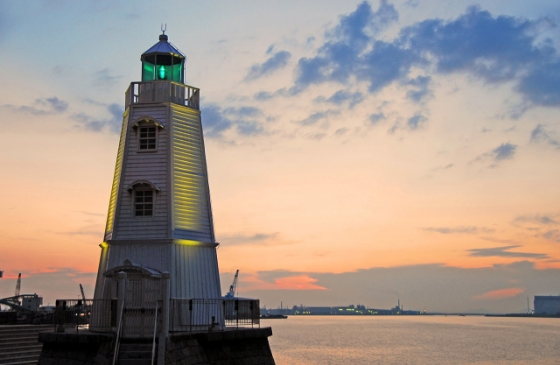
(73, 312)
(185, 315)
(206, 314)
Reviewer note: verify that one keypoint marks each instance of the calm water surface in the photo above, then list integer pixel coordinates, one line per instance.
(414, 340)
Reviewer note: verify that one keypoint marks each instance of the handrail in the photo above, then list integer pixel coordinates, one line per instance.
(116, 354)
(162, 91)
(155, 330)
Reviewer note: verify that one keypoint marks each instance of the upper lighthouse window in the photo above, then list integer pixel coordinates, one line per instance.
(147, 131)
(147, 138)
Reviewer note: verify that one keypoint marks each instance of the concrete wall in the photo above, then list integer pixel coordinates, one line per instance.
(231, 347)
(243, 347)
(72, 349)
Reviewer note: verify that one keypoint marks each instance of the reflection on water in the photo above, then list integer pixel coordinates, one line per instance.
(419, 340)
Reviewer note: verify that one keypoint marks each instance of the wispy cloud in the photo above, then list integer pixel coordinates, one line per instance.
(104, 78)
(95, 230)
(545, 219)
(416, 121)
(541, 135)
(459, 230)
(275, 62)
(316, 117)
(444, 167)
(96, 124)
(540, 225)
(376, 118)
(504, 252)
(245, 120)
(552, 235)
(244, 239)
(503, 152)
(343, 96)
(420, 91)
(46, 106)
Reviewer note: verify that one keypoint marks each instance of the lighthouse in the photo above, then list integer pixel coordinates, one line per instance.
(158, 279)
(159, 222)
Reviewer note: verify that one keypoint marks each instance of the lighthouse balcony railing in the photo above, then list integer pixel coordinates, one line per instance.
(162, 92)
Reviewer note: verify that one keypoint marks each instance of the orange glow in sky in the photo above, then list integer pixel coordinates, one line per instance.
(439, 173)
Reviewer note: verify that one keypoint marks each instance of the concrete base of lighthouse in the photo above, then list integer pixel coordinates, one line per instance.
(233, 346)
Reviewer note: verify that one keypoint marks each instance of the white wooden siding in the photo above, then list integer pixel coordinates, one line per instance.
(195, 272)
(155, 255)
(192, 214)
(116, 180)
(151, 166)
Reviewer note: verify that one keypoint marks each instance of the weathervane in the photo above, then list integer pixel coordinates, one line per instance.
(164, 28)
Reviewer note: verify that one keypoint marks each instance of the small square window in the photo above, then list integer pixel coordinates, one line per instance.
(147, 138)
(143, 203)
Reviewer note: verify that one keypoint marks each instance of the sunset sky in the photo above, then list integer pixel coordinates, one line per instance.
(358, 152)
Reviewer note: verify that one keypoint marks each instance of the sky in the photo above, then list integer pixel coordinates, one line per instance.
(358, 152)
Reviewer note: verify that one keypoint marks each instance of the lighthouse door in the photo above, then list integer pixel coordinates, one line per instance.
(142, 295)
(142, 299)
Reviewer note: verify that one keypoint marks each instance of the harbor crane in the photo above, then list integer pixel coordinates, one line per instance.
(82, 291)
(231, 292)
(18, 285)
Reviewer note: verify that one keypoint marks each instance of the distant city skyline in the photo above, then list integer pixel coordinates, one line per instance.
(358, 152)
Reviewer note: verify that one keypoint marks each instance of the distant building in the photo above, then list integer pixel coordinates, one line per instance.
(32, 302)
(547, 305)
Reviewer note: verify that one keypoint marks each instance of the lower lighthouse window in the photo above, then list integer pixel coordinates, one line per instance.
(143, 203)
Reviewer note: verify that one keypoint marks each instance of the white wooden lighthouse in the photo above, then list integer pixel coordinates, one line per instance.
(159, 223)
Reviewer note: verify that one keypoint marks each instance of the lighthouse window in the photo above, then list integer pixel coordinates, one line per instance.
(143, 203)
(147, 138)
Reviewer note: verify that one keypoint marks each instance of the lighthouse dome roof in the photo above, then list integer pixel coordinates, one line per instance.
(164, 47)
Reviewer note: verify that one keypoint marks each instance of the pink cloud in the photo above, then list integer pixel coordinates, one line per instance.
(500, 294)
(301, 282)
(252, 282)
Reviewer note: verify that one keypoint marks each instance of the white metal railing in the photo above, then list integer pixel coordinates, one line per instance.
(161, 92)
(154, 338)
(117, 343)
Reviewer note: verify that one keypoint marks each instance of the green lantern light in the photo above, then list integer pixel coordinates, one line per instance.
(162, 73)
(163, 62)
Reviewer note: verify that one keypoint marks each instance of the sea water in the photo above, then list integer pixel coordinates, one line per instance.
(423, 340)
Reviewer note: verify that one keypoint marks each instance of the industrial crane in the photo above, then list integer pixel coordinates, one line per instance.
(18, 285)
(82, 291)
(231, 292)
